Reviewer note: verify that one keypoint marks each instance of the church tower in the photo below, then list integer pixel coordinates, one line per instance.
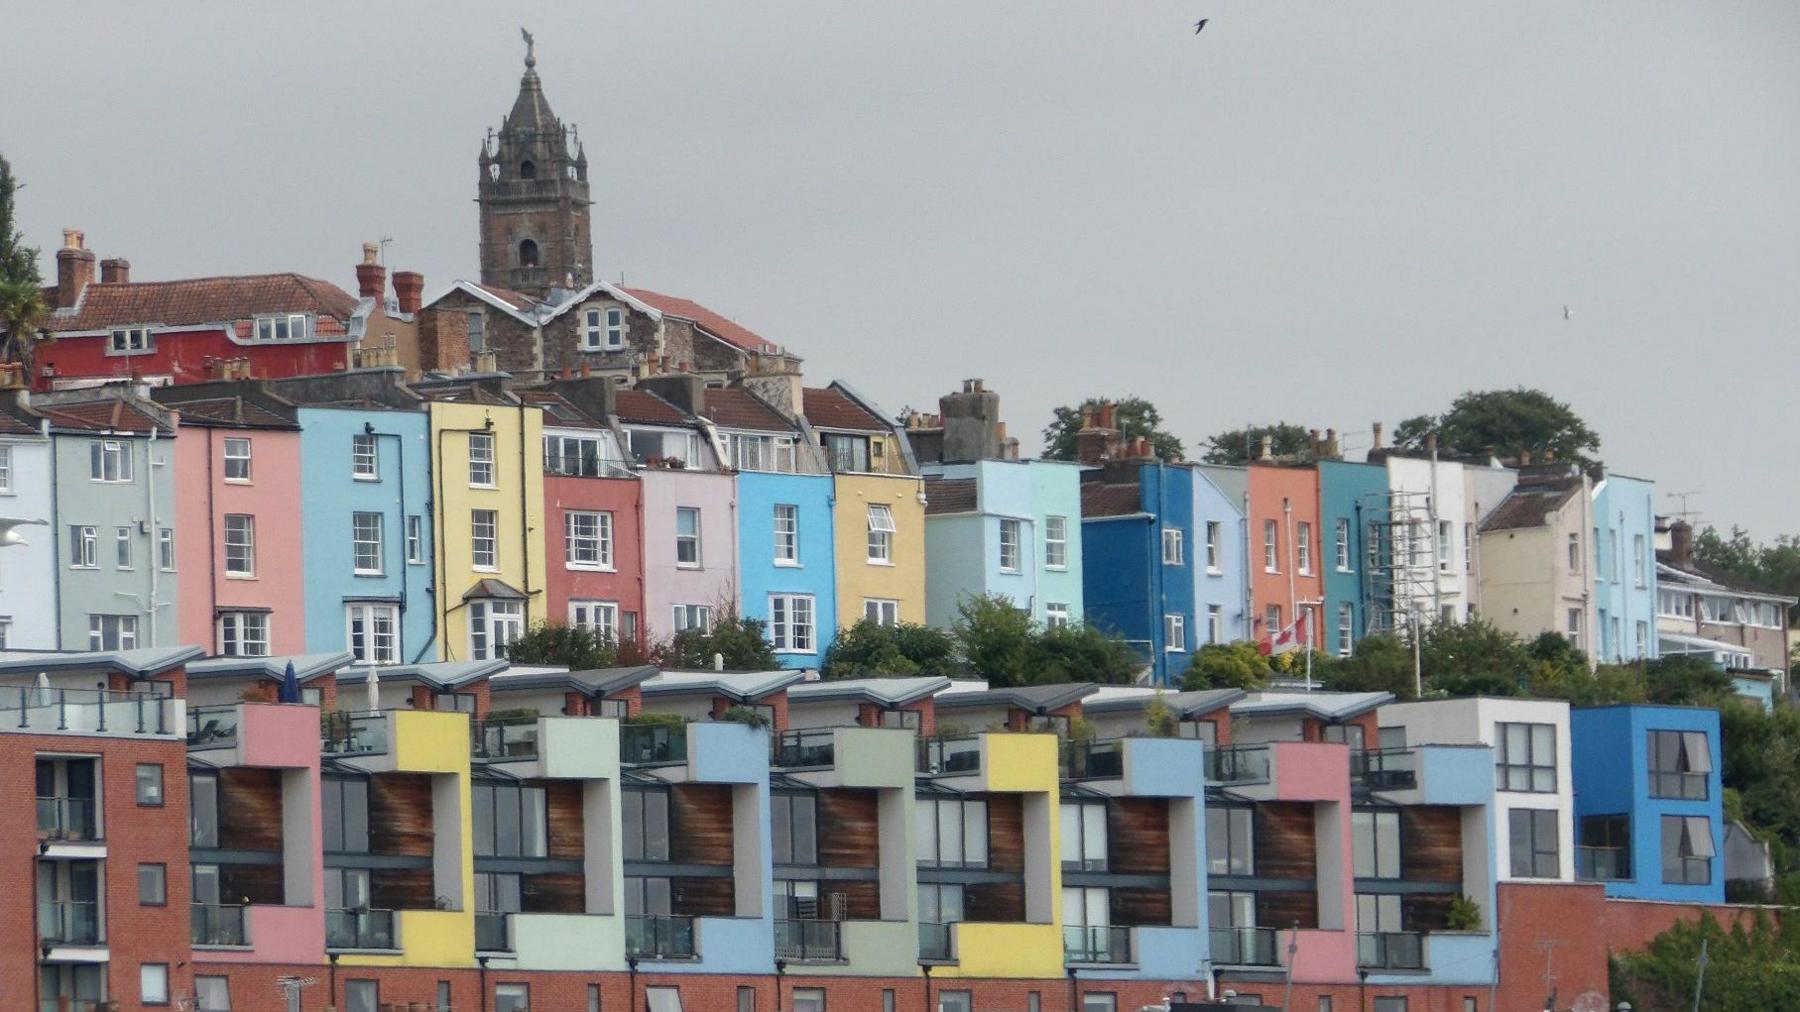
(533, 197)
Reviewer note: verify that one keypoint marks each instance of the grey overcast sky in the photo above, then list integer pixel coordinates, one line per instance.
(1323, 213)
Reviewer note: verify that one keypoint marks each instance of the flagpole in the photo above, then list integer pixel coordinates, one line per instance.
(1306, 640)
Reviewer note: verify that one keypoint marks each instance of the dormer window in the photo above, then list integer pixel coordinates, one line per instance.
(603, 329)
(291, 327)
(126, 340)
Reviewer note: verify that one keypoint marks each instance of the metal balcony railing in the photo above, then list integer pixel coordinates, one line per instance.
(1244, 946)
(504, 738)
(809, 941)
(935, 941)
(212, 727)
(1238, 764)
(1602, 864)
(663, 936)
(493, 932)
(652, 745)
(359, 929)
(806, 749)
(950, 755)
(1096, 943)
(67, 819)
(1093, 760)
(1394, 769)
(353, 733)
(99, 711)
(218, 924)
(69, 922)
(1390, 950)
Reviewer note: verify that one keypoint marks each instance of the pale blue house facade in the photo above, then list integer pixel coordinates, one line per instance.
(1221, 579)
(787, 573)
(28, 613)
(1005, 527)
(1624, 570)
(1349, 496)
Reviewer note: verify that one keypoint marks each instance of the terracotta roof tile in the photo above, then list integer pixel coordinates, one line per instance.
(647, 408)
(204, 300)
(949, 495)
(18, 424)
(1099, 499)
(231, 412)
(831, 408)
(1529, 506)
(114, 413)
(741, 409)
(558, 411)
(727, 330)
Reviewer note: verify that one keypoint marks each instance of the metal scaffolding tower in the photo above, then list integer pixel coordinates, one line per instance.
(1400, 574)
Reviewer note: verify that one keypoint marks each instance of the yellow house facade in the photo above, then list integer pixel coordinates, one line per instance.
(488, 515)
(880, 529)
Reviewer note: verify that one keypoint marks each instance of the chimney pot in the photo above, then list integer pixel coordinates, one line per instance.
(371, 277)
(1375, 430)
(371, 253)
(1268, 446)
(409, 290)
(1430, 442)
(74, 269)
(74, 238)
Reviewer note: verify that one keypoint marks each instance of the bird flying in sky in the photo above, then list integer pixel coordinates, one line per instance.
(1200, 25)
(1568, 314)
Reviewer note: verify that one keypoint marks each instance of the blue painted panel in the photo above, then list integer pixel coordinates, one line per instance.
(759, 576)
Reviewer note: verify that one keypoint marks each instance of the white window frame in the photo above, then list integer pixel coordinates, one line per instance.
(125, 631)
(481, 461)
(1341, 543)
(493, 624)
(786, 526)
(1303, 547)
(415, 539)
(793, 623)
(881, 534)
(1271, 547)
(883, 610)
(1446, 546)
(691, 616)
(6, 469)
(131, 340)
(1056, 615)
(244, 546)
(595, 616)
(484, 540)
(1213, 533)
(110, 461)
(165, 549)
(377, 648)
(1346, 628)
(1172, 547)
(1010, 549)
(603, 328)
(241, 444)
(240, 630)
(1215, 624)
(694, 539)
(1174, 634)
(365, 457)
(122, 553)
(1639, 567)
(578, 545)
(358, 542)
(1056, 543)
(1468, 548)
(283, 327)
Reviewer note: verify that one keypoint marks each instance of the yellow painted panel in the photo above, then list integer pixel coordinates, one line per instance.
(428, 938)
(1021, 763)
(904, 580)
(430, 741)
(1006, 950)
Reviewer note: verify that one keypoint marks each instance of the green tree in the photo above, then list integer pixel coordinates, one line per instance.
(870, 648)
(1410, 434)
(554, 643)
(22, 305)
(1380, 663)
(1132, 416)
(1773, 567)
(1226, 666)
(1473, 659)
(1513, 422)
(1685, 680)
(1240, 446)
(1082, 653)
(1757, 968)
(742, 642)
(995, 639)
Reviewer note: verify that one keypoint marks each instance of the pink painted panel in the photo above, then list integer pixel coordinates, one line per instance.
(1321, 956)
(278, 935)
(1312, 771)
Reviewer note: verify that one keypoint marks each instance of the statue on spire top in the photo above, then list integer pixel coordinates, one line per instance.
(530, 59)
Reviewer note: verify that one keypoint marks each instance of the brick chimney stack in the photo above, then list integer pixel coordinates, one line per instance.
(74, 268)
(1681, 544)
(409, 290)
(1267, 450)
(1097, 441)
(371, 277)
(1375, 430)
(115, 271)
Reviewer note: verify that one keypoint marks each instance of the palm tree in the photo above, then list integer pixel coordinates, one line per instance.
(22, 311)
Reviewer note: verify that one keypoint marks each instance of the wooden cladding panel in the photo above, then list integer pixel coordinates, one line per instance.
(553, 893)
(1137, 836)
(703, 897)
(251, 883)
(849, 828)
(562, 801)
(1134, 906)
(1426, 911)
(1285, 846)
(401, 889)
(400, 816)
(994, 902)
(1431, 843)
(1286, 909)
(700, 824)
(249, 809)
(862, 900)
(1006, 835)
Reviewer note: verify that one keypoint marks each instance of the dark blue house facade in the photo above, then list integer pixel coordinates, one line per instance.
(1138, 545)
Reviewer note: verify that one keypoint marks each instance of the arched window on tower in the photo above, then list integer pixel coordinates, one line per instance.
(528, 254)
(527, 170)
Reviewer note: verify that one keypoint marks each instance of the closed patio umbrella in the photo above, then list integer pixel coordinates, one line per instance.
(290, 686)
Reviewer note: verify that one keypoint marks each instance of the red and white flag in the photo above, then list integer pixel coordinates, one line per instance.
(1291, 638)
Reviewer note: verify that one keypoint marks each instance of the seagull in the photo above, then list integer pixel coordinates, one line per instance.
(9, 530)
(1200, 25)
(1568, 314)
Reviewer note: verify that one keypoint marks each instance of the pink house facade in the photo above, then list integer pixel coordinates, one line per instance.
(690, 549)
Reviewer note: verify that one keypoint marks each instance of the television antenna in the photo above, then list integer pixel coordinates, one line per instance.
(1684, 512)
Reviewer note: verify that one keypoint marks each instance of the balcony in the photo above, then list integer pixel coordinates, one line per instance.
(1384, 769)
(218, 924)
(652, 745)
(663, 936)
(1244, 947)
(1097, 944)
(212, 727)
(1238, 764)
(91, 711)
(1093, 760)
(935, 942)
(493, 932)
(949, 756)
(1602, 864)
(809, 941)
(69, 922)
(806, 749)
(1390, 950)
(499, 739)
(343, 734)
(67, 820)
(359, 929)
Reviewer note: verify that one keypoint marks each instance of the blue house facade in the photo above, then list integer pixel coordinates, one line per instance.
(1347, 495)
(1648, 816)
(1005, 527)
(786, 568)
(1221, 579)
(1137, 537)
(1624, 570)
